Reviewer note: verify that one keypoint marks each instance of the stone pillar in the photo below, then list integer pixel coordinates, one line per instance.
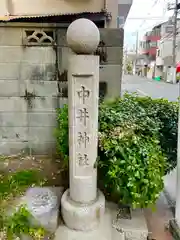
(83, 205)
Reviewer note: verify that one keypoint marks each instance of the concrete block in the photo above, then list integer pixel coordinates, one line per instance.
(49, 72)
(12, 104)
(39, 55)
(114, 55)
(42, 88)
(41, 134)
(13, 119)
(105, 231)
(64, 54)
(62, 37)
(11, 54)
(112, 75)
(42, 148)
(38, 73)
(11, 148)
(112, 37)
(32, 72)
(134, 228)
(11, 88)
(42, 119)
(43, 203)
(12, 134)
(10, 36)
(44, 104)
(9, 71)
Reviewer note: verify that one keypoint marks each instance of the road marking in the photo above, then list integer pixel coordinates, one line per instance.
(141, 92)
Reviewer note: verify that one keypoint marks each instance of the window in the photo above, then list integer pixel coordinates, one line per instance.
(153, 44)
(38, 37)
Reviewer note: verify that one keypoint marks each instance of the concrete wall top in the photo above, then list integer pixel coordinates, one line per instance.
(46, 7)
(3, 8)
(41, 7)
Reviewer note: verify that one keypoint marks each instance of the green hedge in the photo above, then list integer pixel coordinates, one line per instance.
(137, 147)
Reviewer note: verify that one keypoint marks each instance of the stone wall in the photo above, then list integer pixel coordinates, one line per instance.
(28, 87)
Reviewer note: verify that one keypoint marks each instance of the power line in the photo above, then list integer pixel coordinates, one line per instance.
(154, 4)
(148, 19)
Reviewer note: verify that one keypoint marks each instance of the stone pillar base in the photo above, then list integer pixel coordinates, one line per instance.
(82, 217)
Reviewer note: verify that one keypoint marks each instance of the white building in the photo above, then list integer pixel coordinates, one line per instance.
(165, 45)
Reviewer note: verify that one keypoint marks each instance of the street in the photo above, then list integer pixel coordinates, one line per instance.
(155, 89)
(148, 87)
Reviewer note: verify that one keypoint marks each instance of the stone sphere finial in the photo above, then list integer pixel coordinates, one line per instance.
(83, 36)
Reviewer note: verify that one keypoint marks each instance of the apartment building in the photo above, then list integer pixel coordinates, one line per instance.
(33, 65)
(165, 45)
(149, 44)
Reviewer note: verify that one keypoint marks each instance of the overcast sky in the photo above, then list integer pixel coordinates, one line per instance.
(144, 9)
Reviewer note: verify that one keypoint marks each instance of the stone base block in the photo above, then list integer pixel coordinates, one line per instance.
(82, 217)
(134, 228)
(48, 219)
(111, 227)
(103, 232)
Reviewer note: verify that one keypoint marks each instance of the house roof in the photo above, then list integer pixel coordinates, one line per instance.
(26, 17)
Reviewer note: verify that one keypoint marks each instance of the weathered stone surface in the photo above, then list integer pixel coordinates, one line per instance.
(134, 228)
(10, 36)
(42, 147)
(39, 134)
(109, 228)
(114, 55)
(33, 69)
(83, 36)
(11, 88)
(112, 75)
(112, 37)
(42, 119)
(9, 71)
(18, 134)
(43, 203)
(9, 148)
(42, 88)
(13, 119)
(11, 54)
(39, 55)
(12, 104)
(41, 104)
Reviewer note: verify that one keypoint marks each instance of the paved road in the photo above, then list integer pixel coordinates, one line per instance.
(147, 87)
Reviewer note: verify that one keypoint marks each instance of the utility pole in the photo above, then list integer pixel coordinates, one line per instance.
(137, 43)
(177, 209)
(136, 50)
(174, 36)
(175, 8)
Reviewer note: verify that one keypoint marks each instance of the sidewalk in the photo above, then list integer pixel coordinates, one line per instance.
(158, 220)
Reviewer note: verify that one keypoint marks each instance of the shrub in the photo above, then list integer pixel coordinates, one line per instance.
(132, 149)
(166, 115)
